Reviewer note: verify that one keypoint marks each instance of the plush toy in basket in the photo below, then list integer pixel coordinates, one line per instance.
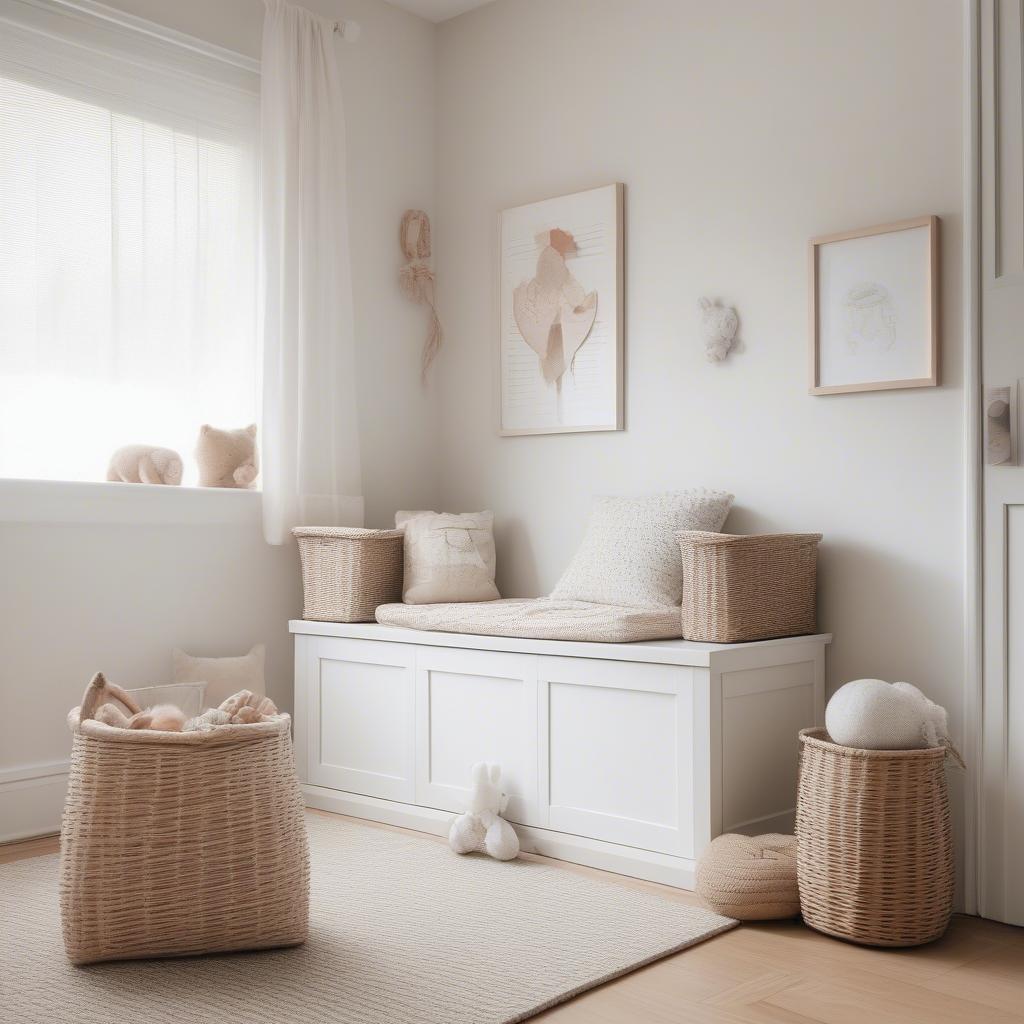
(181, 837)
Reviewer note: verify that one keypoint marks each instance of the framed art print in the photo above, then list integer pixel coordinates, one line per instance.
(560, 314)
(874, 308)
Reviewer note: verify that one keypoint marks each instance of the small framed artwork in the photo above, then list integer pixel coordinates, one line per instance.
(874, 308)
(560, 332)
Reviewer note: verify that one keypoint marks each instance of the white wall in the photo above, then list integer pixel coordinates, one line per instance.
(77, 597)
(740, 129)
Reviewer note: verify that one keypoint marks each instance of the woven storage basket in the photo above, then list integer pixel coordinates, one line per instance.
(182, 843)
(874, 843)
(347, 572)
(737, 589)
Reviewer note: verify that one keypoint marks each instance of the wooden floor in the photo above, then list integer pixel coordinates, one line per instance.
(784, 973)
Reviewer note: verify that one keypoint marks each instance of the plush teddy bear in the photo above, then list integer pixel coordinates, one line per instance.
(227, 458)
(143, 464)
(242, 708)
(872, 714)
(482, 827)
(161, 718)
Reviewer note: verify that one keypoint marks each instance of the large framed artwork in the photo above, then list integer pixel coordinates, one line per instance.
(874, 308)
(560, 313)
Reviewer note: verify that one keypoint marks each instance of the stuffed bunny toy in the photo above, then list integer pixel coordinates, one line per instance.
(482, 827)
(872, 714)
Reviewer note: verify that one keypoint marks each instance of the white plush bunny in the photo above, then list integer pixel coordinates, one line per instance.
(872, 714)
(482, 827)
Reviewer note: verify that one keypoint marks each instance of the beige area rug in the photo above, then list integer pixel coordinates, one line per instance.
(403, 931)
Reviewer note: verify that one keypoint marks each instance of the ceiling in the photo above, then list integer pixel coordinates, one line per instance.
(439, 10)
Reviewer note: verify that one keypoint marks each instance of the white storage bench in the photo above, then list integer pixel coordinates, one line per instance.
(628, 757)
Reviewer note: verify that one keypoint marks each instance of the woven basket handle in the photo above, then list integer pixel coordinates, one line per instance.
(955, 754)
(98, 692)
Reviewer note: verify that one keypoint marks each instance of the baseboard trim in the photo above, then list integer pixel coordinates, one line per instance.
(32, 800)
(623, 860)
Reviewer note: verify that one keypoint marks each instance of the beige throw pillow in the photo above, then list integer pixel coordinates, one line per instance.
(448, 557)
(630, 556)
(224, 677)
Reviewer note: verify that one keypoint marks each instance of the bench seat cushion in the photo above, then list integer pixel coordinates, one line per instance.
(542, 618)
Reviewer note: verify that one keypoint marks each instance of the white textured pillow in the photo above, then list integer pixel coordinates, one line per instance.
(224, 677)
(630, 555)
(448, 557)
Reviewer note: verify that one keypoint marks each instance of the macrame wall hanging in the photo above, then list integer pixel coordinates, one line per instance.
(417, 279)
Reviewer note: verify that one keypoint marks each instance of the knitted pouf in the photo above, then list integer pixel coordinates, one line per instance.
(750, 878)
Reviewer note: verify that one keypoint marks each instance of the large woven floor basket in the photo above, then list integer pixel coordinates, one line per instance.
(182, 843)
(874, 842)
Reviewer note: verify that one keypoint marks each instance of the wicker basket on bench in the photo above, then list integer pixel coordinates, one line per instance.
(742, 588)
(348, 572)
(182, 843)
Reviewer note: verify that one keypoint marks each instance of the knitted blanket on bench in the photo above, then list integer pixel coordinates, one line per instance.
(542, 618)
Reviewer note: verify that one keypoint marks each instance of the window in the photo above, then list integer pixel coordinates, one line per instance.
(127, 243)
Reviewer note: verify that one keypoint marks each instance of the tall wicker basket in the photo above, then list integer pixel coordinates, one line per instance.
(754, 587)
(348, 572)
(874, 843)
(181, 843)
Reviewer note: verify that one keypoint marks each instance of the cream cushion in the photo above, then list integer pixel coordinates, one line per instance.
(224, 677)
(448, 556)
(630, 556)
(750, 878)
(539, 619)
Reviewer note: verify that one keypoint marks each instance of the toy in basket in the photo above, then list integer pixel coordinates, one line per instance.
(181, 842)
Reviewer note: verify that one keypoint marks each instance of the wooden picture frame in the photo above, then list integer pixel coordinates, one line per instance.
(881, 332)
(601, 237)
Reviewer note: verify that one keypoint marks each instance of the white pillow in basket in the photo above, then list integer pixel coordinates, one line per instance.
(448, 557)
(224, 677)
(630, 556)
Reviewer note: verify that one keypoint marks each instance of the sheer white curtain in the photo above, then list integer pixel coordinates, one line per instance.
(311, 462)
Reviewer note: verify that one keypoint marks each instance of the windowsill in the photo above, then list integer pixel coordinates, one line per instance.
(64, 501)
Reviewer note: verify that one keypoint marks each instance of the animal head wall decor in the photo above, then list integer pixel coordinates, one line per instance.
(718, 325)
(416, 279)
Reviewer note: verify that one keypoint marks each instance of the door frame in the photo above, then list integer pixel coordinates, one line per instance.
(973, 739)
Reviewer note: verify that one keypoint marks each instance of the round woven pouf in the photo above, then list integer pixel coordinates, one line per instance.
(750, 878)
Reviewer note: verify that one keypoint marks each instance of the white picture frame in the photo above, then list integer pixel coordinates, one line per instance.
(560, 314)
(874, 308)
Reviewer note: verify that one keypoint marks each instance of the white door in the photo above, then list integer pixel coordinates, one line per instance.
(1001, 810)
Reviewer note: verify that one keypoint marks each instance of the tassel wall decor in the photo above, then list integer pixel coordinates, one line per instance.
(417, 279)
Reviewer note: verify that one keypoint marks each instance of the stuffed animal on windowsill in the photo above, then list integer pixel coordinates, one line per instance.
(144, 464)
(482, 828)
(227, 458)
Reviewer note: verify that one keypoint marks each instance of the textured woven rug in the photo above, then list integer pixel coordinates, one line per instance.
(403, 931)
